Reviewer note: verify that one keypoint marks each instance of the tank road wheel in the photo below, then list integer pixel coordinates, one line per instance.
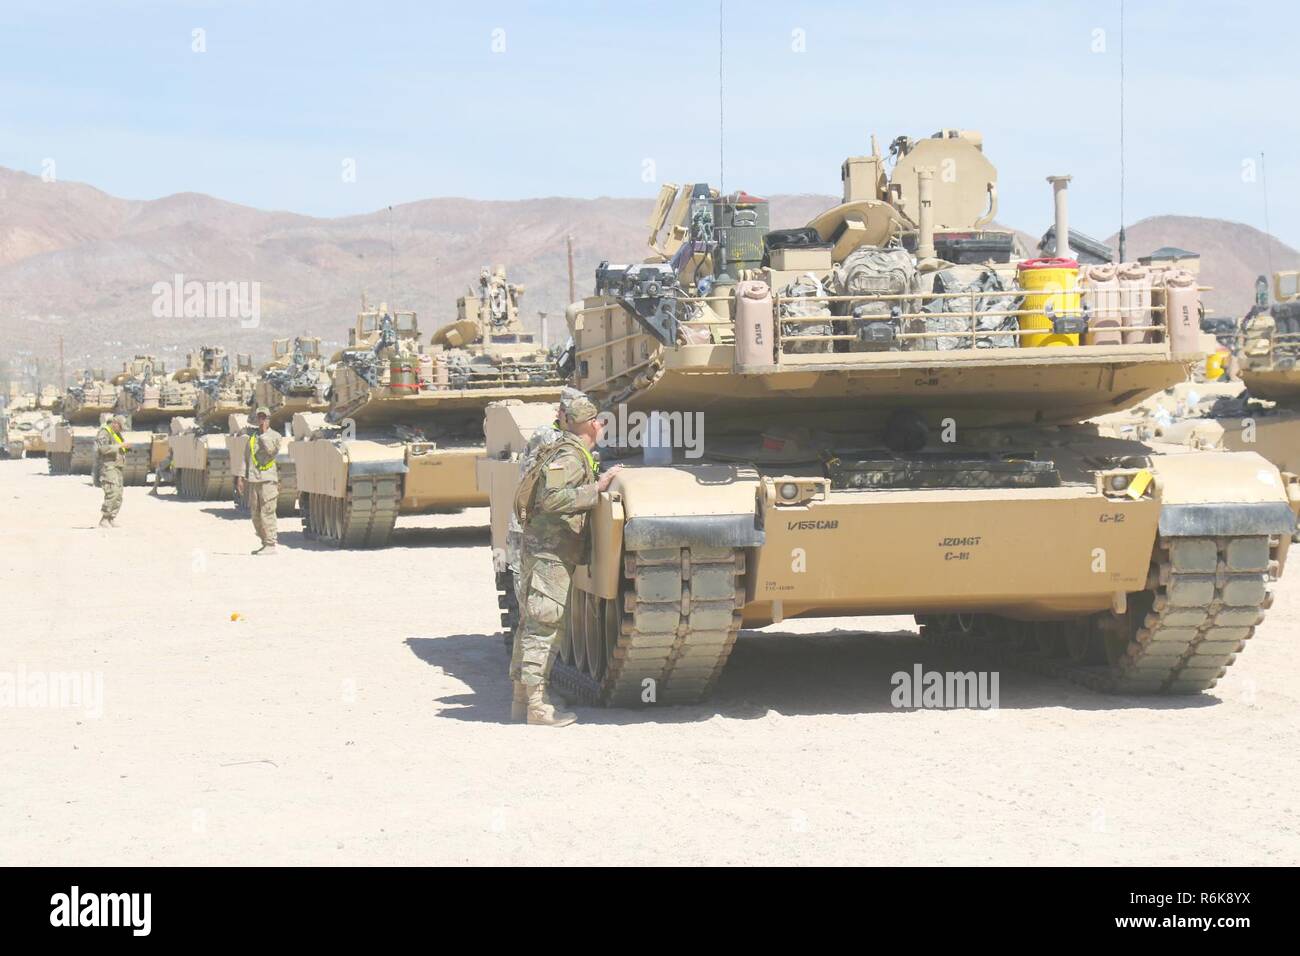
(667, 637)
(1178, 637)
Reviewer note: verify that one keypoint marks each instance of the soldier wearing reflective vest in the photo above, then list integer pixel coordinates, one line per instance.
(260, 482)
(557, 488)
(110, 455)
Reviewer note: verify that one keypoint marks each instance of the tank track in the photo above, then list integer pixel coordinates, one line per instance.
(135, 471)
(287, 504)
(674, 624)
(508, 602)
(83, 456)
(60, 463)
(214, 483)
(364, 519)
(1203, 600)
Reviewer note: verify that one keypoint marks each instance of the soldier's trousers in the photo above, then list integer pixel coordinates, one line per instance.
(544, 594)
(262, 496)
(110, 481)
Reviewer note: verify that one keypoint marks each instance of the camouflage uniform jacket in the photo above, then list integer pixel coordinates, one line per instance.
(265, 445)
(109, 449)
(564, 493)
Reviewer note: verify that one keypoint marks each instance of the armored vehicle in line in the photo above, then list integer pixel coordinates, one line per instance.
(405, 425)
(888, 410)
(200, 457)
(27, 423)
(297, 379)
(86, 404)
(150, 398)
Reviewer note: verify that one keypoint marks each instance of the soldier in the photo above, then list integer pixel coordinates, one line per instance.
(555, 492)
(110, 455)
(261, 479)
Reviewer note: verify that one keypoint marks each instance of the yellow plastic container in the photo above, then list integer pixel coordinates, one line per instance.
(1053, 284)
(1216, 365)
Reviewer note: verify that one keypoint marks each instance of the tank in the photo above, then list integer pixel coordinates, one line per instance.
(895, 448)
(297, 379)
(27, 424)
(405, 425)
(150, 398)
(200, 458)
(86, 403)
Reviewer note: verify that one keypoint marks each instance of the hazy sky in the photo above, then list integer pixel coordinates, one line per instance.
(510, 100)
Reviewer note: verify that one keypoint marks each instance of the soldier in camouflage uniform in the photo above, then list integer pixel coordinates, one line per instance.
(260, 478)
(558, 487)
(110, 456)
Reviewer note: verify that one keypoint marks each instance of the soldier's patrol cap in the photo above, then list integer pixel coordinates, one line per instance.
(262, 410)
(117, 419)
(576, 406)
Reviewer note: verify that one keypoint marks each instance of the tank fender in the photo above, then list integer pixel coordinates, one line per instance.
(1207, 494)
(712, 506)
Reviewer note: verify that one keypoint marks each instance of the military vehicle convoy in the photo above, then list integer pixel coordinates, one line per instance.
(405, 425)
(297, 379)
(883, 413)
(86, 404)
(200, 457)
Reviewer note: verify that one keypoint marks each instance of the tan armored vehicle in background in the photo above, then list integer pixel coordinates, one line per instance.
(884, 428)
(85, 406)
(28, 422)
(200, 457)
(405, 425)
(150, 398)
(297, 379)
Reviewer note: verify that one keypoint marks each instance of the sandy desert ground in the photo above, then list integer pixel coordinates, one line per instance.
(356, 713)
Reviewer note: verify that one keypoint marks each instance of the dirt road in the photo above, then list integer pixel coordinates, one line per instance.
(356, 712)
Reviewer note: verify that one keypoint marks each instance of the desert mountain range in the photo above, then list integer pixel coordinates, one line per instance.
(80, 264)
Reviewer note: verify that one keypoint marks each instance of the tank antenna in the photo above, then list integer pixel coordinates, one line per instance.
(1268, 232)
(1123, 243)
(390, 253)
(722, 166)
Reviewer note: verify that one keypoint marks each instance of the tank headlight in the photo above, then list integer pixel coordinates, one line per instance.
(789, 491)
(1118, 482)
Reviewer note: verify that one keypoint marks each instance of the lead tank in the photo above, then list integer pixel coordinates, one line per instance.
(883, 413)
(405, 426)
(200, 459)
(27, 423)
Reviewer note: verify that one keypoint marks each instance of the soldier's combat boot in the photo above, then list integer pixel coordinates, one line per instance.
(259, 549)
(519, 704)
(105, 522)
(265, 550)
(542, 712)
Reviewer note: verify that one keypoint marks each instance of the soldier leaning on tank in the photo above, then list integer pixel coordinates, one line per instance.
(555, 494)
(261, 479)
(110, 456)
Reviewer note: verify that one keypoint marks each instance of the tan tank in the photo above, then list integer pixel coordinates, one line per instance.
(86, 403)
(200, 457)
(27, 424)
(405, 425)
(297, 379)
(150, 398)
(883, 426)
